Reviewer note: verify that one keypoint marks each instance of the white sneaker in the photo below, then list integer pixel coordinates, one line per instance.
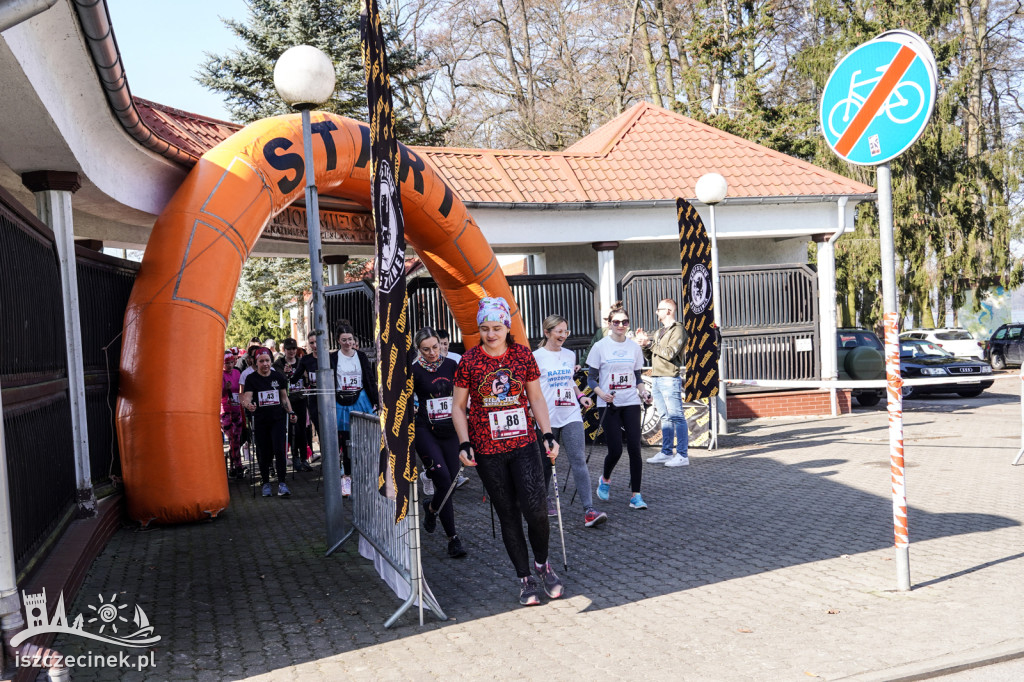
(428, 485)
(677, 461)
(346, 486)
(659, 458)
(461, 480)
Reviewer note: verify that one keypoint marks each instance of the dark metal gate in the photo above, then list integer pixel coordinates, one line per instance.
(572, 296)
(769, 317)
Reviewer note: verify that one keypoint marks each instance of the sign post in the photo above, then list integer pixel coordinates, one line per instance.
(876, 104)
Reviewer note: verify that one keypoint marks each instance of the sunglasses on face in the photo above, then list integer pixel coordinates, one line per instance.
(621, 323)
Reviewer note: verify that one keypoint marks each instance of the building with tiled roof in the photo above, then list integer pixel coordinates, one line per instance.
(604, 206)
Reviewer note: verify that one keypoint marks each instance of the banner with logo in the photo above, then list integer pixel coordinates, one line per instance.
(702, 338)
(397, 468)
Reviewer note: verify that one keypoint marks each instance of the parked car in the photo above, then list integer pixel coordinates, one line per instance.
(923, 359)
(956, 340)
(861, 356)
(1006, 347)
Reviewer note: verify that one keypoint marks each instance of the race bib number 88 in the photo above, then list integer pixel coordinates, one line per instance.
(508, 423)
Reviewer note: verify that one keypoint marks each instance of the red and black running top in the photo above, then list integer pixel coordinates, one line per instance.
(499, 419)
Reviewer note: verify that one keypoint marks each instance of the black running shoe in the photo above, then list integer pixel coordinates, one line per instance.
(529, 593)
(429, 517)
(551, 582)
(455, 548)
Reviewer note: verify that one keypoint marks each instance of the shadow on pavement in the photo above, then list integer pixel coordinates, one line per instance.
(251, 591)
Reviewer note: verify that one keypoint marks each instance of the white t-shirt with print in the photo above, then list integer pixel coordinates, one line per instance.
(556, 371)
(618, 363)
(349, 375)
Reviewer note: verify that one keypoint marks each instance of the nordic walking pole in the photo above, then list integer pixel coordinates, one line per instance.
(590, 450)
(558, 506)
(451, 489)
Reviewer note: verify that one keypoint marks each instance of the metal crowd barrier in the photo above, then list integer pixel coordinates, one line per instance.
(373, 517)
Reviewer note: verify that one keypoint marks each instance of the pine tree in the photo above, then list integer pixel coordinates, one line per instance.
(246, 75)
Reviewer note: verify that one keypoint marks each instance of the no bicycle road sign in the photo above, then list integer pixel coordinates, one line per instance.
(878, 100)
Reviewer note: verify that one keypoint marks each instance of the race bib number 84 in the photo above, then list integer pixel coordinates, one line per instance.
(618, 381)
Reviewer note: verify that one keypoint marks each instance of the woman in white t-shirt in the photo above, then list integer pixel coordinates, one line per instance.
(355, 390)
(557, 368)
(613, 371)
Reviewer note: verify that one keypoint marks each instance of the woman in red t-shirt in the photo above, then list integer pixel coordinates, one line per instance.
(502, 379)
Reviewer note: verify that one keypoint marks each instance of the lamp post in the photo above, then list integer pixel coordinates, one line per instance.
(711, 189)
(304, 78)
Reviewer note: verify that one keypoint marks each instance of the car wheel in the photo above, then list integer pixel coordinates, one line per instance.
(970, 393)
(998, 362)
(868, 399)
(907, 391)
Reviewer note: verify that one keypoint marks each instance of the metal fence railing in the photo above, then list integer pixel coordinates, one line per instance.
(352, 302)
(104, 286)
(769, 317)
(373, 517)
(34, 374)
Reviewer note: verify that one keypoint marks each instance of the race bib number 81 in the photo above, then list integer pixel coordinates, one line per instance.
(508, 423)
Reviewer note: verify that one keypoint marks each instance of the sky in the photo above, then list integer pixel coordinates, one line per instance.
(163, 43)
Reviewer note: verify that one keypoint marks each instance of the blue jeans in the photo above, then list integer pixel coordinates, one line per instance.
(668, 399)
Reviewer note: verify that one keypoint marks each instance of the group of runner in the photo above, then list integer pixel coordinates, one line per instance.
(496, 408)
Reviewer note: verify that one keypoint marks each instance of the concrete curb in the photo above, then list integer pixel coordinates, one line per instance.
(946, 665)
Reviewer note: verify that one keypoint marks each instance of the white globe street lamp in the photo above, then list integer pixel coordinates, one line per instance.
(711, 189)
(304, 78)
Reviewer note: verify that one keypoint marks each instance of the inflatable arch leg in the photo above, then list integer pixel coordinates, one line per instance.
(167, 413)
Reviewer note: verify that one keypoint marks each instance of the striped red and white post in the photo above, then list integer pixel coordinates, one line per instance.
(1020, 453)
(894, 385)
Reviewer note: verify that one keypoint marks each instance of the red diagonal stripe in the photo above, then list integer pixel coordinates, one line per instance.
(900, 63)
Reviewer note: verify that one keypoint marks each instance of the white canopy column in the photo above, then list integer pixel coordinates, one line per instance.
(605, 275)
(53, 190)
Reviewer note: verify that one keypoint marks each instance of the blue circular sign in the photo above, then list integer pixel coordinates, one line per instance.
(878, 100)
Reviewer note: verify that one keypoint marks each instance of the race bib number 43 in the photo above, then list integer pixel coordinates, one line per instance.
(266, 398)
(439, 409)
(618, 381)
(508, 423)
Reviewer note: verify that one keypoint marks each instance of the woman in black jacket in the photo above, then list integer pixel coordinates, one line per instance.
(355, 390)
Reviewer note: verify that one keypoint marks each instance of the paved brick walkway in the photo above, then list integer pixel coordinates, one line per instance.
(769, 559)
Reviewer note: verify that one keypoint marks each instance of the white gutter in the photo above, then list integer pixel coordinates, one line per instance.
(669, 203)
(840, 230)
(13, 12)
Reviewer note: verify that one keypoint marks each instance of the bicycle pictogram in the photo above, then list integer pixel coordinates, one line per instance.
(902, 105)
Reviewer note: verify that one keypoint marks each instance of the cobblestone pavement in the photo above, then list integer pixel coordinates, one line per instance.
(769, 559)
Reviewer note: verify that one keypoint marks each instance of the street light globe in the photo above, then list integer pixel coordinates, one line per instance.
(304, 77)
(711, 188)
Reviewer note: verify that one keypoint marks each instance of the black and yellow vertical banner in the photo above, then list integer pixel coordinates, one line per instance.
(394, 341)
(702, 338)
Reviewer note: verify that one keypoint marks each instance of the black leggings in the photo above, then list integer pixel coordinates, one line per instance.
(617, 419)
(440, 458)
(299, 433)
(270, 436)
(514, 480)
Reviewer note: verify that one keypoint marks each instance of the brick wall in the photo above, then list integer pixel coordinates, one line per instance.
(786, 404)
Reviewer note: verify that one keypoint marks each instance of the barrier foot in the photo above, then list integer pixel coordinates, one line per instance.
(339, 543)
(1020, 453)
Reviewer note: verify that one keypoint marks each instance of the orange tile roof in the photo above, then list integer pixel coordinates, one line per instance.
(646, 153)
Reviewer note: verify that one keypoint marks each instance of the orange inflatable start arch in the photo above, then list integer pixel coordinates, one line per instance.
(167, 413)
